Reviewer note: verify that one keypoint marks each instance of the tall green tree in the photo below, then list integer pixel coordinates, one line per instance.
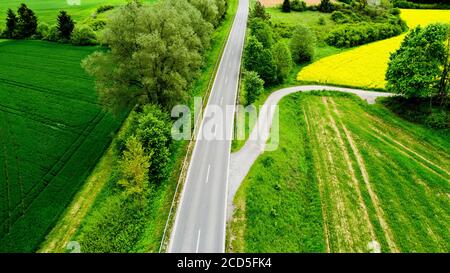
(283, 60)
(253, 86)
(302, 44)
(156, 52)
(27, 22)
(65, 25)
(326, 6)
(259, 11)
(419, 68)
(11, 24)
(286, 7)
(262, 31)
(260, 59)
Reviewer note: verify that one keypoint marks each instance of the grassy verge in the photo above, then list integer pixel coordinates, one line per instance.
(345, 174)
(97, 188)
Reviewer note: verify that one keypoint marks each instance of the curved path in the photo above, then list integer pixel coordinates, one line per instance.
(242, 160)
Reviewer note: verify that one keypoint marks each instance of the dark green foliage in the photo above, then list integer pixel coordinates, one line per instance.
(286, 7)
(26, 22)
(262, 31)
(302, 44)
(259, 11)
(53, 133)
(298, 5)
(260, 59)
(416, 69)
(412, 4)
(11, 24)
(253, 86)
(325, 6)
(363, 33)
(65, 25)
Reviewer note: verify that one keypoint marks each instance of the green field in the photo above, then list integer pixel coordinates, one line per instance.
(345, 174)
(47, 10)
(53, 132)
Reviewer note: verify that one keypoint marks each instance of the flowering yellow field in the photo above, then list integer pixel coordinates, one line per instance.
(365, 66)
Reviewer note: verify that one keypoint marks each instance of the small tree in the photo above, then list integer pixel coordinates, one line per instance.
(325, 6)
(11, 24)
(260, 59)
(286, 7)
(253, 86)
(419, 68)
(65, 25)
(26, 23)
(283, 60)
(302, 44)
(262, 31)
(134, 167)
(259, 11)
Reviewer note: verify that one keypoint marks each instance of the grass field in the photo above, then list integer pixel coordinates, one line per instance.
(53, 132)
(365, 66)
(92, 197)
(345, 174)
(47, 10)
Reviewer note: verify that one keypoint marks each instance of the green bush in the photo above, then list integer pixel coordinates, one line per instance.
(104, 8)
(438, 120)
(42, 31)
(253, 86)
(298, 5)
(83, 35)
(362, 33)
(302, 44)
(53, 34)
(339, 17)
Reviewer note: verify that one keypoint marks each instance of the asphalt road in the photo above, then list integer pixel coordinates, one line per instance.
(200, 222)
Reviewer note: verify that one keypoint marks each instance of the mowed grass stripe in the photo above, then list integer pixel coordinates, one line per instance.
(56, 133)
(405, 200)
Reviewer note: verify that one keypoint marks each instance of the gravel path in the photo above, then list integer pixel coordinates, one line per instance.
(242, 160)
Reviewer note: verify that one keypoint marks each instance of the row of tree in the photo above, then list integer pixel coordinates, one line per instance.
(268, 62)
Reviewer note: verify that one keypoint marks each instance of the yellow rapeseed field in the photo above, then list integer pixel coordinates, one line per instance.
(365, 66)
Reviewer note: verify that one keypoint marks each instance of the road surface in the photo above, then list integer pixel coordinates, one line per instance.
(242, 160)
(200, 222)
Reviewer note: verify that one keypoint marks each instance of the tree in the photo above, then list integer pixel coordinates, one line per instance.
(286, 7)
(325, 6)
(262, 31)
(11, 24)
(419, 68)
(259, 11)
(65, 25)
(283, 60)
(134, 166)
(260, 60)
(302, 44)
(26, 22)
(156, 52)
(253, 86)
(208, 9)
(154, 132)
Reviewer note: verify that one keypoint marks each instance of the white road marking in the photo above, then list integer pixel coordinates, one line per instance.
(198, 241)
(207, 173)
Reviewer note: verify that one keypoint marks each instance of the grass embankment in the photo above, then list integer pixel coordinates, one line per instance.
(365, 66)
(87, 201)
(345, 174)
(53, 132)
(47, 10)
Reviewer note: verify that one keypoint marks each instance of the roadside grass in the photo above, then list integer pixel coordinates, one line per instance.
(161, 196)
(47, 10)
(365, 66)
(53, 133)
(346, 173)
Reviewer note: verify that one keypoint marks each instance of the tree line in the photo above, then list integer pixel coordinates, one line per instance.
(24, 25)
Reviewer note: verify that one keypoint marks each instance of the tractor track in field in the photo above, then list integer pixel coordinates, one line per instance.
(348, 161)
(6, 223)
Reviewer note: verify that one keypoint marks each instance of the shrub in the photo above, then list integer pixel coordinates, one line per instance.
(104, 8)
(339, 17)
(42, 31)
(286, 6)
(262, 31)
(298, 5)
(321, 21)
(83, 36)
(302, 44)
(283, 60)
(325, 6)
(438, 120)
(53, 34)
(253, 86)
